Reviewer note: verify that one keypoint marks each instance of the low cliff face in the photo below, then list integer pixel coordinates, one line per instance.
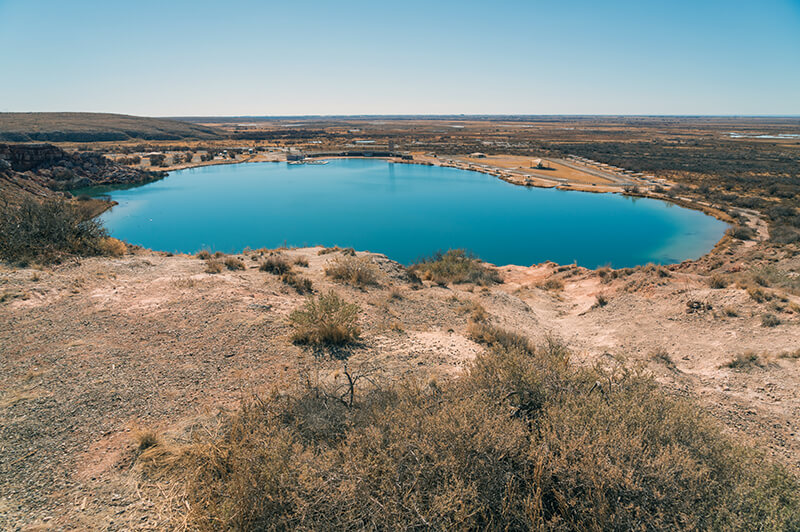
(55, 169)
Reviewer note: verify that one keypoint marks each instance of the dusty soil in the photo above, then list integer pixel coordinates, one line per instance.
(98, 349)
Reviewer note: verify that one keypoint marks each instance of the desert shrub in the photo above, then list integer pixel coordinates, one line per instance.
(395, 294)
(742, 232)
(301, 284)
(301, 261)
(523, 441)
(357, 271)
(146, 439)
(731, 312)
(759, 295)
(770, 320)
(234, 263)
(717, 282)
(600, 301)
(112, 247)
(552, 284)
(744, 361)
(455, 266)
(784, 234)
(772, 276)
(213, 266)
(662, 356)
(275, 264)
(48, 230)
(491, 335)
(476, 311)
(203, 254)
(336, 249)
(325, 320)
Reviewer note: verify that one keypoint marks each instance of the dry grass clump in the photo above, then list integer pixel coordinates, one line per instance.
(744, 361)
(395, 294)
(325, 320)
(523, 441)
(146, 439)
(234, 263)
(731, 312)
(275, 264)
(301, 284)
(112, 247)
(552, 284)
(770, 320)
(203, 254)
(213, 266)
(48, 231)
(301, 261)
(336, 249)
(759, 295)
(476, 311)
(455, 266)
(662, 356)
(357, 271)
(718, 282)
(600, 301)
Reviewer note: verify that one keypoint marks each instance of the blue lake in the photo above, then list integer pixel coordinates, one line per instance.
(404, 211)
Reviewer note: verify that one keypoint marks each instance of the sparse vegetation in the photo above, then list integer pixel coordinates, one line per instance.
(146, 439)
(496, 449)
(48, 231)
(717, 282)
(552, 284)
(326, 320)
(357, 271)
(662, 356)
(213, 266)
(600, 301)
(770, 320)
(203, 254)
(234, 263)
(741, 232)
(744, 361)
(731, 312)
(336, 249)
(395, 294)
(301, 261)
(275, 264)
(301, 284)
(455, 266)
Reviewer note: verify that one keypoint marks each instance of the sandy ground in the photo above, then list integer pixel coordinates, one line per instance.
(94, 350)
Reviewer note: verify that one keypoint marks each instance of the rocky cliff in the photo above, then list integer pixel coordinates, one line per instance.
(55, 169)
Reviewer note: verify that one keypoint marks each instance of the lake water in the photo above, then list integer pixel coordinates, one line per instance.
(404, 211)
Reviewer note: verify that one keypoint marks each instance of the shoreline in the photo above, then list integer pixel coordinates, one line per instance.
(688, 203)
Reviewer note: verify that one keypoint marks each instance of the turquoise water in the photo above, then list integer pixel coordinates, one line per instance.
(404, 211)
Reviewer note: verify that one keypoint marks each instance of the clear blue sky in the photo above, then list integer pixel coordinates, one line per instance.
(170, 58)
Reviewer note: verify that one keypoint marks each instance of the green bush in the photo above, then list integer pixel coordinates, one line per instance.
(46, 231)
(523, 441)
(455, 266)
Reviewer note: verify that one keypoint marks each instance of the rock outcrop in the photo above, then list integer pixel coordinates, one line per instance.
(53, 168)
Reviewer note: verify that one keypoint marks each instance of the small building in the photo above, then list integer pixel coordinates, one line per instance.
(295, 156)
